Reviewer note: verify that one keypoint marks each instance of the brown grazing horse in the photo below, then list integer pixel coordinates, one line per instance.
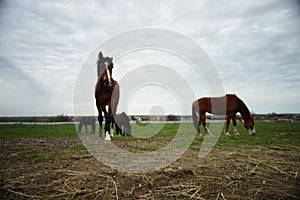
(233, 106)
(107, 93)
(122, 123)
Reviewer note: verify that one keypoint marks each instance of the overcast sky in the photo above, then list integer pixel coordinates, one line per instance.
(255, 46)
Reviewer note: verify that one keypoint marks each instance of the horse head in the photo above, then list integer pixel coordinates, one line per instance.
(126, 122)
(104, 67)
(249, 125)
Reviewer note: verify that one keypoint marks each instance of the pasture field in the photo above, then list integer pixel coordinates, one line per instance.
(50, 162)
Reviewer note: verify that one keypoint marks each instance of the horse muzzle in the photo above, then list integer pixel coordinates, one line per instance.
(107, 83)
(252, 131)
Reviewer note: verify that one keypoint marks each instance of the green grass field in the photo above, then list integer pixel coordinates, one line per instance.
(37, 131)
(268, 134)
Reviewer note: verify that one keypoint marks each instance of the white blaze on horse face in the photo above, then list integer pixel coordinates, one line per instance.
(107, 72)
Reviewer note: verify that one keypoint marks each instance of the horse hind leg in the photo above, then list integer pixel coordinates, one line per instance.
(236, 131)
(79, 127)
(119, 129)
(198, 127)
(86, 129)
(93, 125)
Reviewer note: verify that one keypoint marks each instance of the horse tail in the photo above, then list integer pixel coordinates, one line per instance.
(195, 113)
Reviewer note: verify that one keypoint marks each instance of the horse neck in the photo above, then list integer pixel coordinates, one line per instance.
(99, 72)
(244, 110)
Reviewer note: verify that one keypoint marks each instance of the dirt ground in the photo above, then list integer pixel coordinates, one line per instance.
(56, 168)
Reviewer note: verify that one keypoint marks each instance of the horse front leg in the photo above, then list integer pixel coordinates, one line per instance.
(203, 121)
(93, 128)
(118, 127)
(118, 130)
(121, 132)
(228, 118)
(108, 120)
(234, 125)
(100, 119)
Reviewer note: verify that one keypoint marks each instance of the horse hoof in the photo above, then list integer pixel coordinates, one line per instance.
(227, 133)
(107, 137)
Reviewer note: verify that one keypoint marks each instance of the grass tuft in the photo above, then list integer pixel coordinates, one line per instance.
(35, 157)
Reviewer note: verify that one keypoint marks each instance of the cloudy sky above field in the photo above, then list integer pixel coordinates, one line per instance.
(255, 46)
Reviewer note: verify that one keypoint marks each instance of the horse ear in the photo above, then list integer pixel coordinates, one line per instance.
(100, 55)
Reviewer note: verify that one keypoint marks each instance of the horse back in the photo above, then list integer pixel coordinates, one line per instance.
(213, 105)
(229, 103)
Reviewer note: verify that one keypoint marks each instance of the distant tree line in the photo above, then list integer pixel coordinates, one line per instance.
(278, 117)
(69, 118)
(57, 118)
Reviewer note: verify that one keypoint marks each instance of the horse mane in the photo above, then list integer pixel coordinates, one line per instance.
(243, 109)
(99, 69)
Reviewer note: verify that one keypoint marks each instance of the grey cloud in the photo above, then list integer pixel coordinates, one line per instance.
(255, 44)
(14, 76)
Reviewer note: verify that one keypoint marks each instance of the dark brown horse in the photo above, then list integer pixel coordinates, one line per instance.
(122, 124)
(85, 121)
(106, 93)
(215, 106)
